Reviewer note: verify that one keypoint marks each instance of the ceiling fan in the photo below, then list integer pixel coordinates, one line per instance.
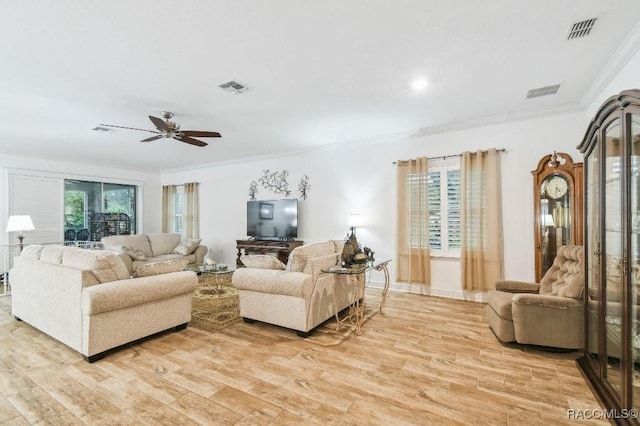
(169, 129)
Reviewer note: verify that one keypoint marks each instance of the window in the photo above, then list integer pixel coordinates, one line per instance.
(178, 202)
(443, 204)
(180, 209)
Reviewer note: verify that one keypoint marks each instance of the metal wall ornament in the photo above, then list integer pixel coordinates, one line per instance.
(253, 190)
(276, 182)
(304, 186)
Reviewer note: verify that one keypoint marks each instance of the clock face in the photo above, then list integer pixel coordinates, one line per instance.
(556, 187)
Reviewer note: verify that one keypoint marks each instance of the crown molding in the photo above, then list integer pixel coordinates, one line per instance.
(627, 49)
(394, 137)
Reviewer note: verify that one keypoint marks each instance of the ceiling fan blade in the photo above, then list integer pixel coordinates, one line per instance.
(201, 133)
(152, 138)
(129, 128)
(192, 141)
(161, 125)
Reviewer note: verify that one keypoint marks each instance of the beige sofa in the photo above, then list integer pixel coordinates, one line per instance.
(550, 313)
(152, 247)
(297, 296)
(86, 299)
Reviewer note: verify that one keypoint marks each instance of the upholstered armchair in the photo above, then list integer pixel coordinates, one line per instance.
(549, 313)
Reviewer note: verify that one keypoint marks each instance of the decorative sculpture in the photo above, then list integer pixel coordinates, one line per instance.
(253, 190)
(304, 186)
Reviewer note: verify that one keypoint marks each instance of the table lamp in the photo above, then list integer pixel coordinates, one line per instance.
(20, 223)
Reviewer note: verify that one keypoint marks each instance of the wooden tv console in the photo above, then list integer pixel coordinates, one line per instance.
(281, 249)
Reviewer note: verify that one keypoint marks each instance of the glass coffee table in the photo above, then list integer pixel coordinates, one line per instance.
(214, 276)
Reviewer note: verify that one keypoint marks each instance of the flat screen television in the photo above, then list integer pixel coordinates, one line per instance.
(272, 219)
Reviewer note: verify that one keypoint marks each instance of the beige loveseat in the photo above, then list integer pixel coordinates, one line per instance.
(297, 296)
(550, 313)
(138, 249)
(86, 299)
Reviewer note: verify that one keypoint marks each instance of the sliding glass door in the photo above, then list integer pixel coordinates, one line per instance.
(93, 210)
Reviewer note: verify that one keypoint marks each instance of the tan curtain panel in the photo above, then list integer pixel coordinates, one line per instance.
(481, 260)
(168, 203)
(191, 211)
(413, 222)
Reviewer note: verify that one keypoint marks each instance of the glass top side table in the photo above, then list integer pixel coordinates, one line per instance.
(356, 307)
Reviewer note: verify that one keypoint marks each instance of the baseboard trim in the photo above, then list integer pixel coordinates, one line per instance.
(471, 296)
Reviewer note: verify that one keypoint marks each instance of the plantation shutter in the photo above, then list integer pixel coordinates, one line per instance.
(42, 198)
(453, 209)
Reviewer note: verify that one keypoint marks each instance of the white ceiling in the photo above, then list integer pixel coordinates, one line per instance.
(319, 73)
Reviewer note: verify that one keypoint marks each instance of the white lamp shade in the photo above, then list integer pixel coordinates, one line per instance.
(354, 220)
(19, 223)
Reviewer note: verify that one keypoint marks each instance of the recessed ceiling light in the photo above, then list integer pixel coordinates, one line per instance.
(419, 84)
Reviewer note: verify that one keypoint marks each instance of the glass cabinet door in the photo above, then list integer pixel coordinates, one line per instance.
(612, 254)
(592, 255)
(634, 257)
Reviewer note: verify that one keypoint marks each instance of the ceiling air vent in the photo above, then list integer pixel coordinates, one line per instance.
(233, 87)
(543, 91)
(581, 29)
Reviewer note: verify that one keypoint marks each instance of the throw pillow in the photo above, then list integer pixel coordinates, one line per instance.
(31, 252)
(163, 267)
(186, 247)
(261, 261)
(131, 252)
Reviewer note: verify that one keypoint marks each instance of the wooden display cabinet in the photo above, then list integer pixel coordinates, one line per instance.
(281, 249)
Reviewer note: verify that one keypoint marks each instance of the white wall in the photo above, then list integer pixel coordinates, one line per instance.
(151, 216)
(361, 178)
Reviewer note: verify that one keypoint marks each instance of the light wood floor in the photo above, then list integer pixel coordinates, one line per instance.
(425, 361)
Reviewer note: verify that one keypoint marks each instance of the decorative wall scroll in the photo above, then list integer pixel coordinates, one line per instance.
(277, 183)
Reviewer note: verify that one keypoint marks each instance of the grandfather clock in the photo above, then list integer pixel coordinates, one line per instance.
(558, 205)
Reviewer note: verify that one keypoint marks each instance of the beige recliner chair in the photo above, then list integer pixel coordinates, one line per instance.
(550, 313)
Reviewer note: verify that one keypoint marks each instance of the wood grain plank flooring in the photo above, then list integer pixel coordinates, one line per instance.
(425, 361)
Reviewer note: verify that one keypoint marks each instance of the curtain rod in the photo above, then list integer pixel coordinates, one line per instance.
(450, 156)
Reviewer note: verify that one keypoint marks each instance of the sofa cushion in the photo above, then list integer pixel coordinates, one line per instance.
(105, 266)
(138, 242)
(565, 277)
(32, 252)
(52, 253)
(261, 261)
(163, 267)
(163, 242)
(129, 251)
(186, 247)
(300, 255)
